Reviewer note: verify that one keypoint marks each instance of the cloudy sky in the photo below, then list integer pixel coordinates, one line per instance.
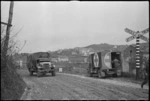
(58, 25)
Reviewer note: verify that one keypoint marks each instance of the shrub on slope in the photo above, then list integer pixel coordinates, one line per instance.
(12, 85)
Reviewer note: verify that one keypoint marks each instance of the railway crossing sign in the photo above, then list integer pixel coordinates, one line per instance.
(130, 31)
(96, 60)
(137, 34)
(145, 31)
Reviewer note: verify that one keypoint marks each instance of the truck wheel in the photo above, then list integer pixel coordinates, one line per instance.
(53, 73)
(91, 75)
(101, 74)
(115, 75)
(118, 73)
(43, 73)
(38, 74)
(31, 73)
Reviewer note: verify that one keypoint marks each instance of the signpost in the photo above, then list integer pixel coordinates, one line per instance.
(138, 35)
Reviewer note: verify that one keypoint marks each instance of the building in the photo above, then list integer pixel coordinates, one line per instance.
(63, 59)
(74, 53)
(54, 59)
(86, 51)
(78, 59)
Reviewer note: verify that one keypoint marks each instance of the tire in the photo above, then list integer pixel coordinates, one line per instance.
(118, 73)
(38, 74)
(101, 74)
(43, 73)
(31, 73)
(53, 73)
(114, 75)
(91, 75)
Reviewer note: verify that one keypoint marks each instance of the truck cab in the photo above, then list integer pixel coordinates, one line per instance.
(41, 66)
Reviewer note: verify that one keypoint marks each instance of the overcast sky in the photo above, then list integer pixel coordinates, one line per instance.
(59, 25)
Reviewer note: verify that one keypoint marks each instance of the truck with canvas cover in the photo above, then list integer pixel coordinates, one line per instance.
(105, 63)
(40, 64)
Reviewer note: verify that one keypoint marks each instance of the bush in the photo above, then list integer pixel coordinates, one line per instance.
(12, 85)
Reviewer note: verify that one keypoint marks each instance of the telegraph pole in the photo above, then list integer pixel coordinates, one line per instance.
(6, 41)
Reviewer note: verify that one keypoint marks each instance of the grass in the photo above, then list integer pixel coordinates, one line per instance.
(12, 85)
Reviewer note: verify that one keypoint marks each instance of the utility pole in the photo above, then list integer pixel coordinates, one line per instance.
(6, 41)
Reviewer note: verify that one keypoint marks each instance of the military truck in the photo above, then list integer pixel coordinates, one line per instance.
(40, 64)
(101, 64)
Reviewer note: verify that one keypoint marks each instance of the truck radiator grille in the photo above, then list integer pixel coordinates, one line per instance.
(46, 66)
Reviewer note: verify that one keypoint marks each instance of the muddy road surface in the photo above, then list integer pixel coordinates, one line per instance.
(71, 87)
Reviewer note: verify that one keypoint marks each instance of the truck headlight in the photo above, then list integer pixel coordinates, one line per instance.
(39, 66)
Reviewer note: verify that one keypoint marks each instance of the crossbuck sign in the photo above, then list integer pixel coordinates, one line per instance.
(137, 34)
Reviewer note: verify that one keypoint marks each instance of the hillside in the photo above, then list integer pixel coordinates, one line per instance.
(105, 46)
(100, 47)
(78, 51)
(93, 48)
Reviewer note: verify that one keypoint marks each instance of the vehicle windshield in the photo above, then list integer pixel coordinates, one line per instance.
(45, 63)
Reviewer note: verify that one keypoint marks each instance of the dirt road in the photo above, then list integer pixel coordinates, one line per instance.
(69, 87)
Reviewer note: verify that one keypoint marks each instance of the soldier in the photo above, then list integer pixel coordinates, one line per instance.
(116, 63)
(145, 69)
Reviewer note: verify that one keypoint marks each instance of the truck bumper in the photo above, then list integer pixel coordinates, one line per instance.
(45, 70)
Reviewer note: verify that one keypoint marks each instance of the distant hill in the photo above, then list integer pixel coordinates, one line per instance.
(100, 47)
(77, 51)
(143, 46)
(105, 46)
(85, 51)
